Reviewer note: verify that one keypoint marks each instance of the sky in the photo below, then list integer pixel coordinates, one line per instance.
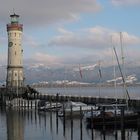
(59, 33)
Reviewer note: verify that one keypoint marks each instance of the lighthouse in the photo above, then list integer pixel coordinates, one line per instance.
(15, 76)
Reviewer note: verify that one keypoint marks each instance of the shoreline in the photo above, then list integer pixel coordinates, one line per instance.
(89, 85)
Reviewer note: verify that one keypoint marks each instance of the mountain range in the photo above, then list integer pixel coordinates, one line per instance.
(86, 74)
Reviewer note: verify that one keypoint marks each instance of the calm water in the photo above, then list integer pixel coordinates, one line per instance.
(32, 125)
(105, 92)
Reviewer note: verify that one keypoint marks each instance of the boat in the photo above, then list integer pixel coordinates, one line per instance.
(50, 106)
(111, 116)
(75, 109)
(114, 115)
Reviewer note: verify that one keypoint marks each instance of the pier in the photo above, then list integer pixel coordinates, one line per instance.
(29, 93)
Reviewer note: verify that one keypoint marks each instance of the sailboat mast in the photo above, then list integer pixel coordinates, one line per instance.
(122, 53)
(114, 69)
(100, 76)
(123, 65)
(123, 79)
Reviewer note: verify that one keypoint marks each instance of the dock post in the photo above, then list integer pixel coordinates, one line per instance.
(28, 103)
(35, 104)
(122, 124)
(57, 121)
(116, 135)
(51, 126)
(103, 123)
(92, 136)
(81, 126)
(71, 117)
(56, 113)
(22, 103)
(64, 127)
(31, 104)
(19, 103)
(138, 123)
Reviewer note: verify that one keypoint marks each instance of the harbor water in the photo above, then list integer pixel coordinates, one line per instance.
(21, 124)
(104, 92)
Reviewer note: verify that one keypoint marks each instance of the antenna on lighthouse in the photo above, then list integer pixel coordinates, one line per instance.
(13, 10)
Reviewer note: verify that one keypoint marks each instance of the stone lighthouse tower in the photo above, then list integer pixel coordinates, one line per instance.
(15, 52)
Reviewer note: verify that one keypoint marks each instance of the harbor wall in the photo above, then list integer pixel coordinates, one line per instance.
(85, 99)
(7, 94)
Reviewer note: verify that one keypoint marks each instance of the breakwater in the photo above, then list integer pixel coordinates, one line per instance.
(85, 99)
(32, 94)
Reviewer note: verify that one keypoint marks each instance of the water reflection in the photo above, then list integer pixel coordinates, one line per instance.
(33, 125)
(15, 125)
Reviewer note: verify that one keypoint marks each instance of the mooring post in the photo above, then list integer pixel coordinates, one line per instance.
(103, 114)
(122, 124)
(138, 123)
(71, 117)
(92, 136)
(115, 127)
(64, 127)
(31, 116)
(57, 121)
(35, 104)
(31, 104)
(24, 103)
(35, 117)
(19, 103)
(28, 103)
(103, 123)
(45, 121)
(81, 127)
(57, 113)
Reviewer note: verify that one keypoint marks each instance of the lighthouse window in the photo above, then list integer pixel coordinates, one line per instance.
(15, 74)
(15, 34)
(15, 53)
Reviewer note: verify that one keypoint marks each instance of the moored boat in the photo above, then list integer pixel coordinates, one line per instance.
(112, 116)
(50, 106)
(74, 109)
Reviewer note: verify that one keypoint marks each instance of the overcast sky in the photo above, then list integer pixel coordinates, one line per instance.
(71, 32)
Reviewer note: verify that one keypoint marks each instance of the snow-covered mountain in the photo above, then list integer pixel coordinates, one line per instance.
(90, 74)
(130, 79)
(62, 83)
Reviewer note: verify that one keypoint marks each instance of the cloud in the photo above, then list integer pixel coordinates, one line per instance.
(125, 2)
(43, 58)
(94, 38)
(127, 39)
(29, 40)
(92, 44)
(47, 11)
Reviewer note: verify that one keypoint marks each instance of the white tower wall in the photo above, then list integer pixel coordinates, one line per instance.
(15, 76)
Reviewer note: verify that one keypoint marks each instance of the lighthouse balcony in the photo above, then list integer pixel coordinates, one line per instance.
(15, 26)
